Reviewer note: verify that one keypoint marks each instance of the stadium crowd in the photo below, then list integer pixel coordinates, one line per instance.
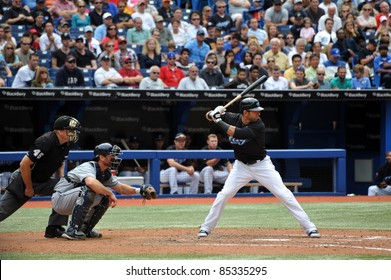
(298, 44)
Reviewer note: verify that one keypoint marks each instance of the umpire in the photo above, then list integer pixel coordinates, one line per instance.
(34, 177)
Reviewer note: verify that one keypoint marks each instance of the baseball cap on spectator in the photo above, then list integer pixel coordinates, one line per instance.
(233, 30)
(372, 42)
(298, 1)
(383, 18)
(40, 1)
(125, 58)
(122, 39)
(277, 2)
(158, 18)
(200, 32)
(209, 25)
(300, 68)
(105, 57)
(140, 2)
(70, 58)
(335, 52)
(34, 31)
(299, 16)
(107, 15)
(171, 55)
(65, 36)
(62, 24)
(80, 38)
(257, 0)
(180, 135)
(88, 28)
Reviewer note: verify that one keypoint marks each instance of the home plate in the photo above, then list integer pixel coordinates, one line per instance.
(272, 239)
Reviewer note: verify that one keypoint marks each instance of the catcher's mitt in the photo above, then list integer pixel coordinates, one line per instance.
(148, 192)
(387, 180)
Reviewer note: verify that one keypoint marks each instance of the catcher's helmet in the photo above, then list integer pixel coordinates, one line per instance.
(250, 104)
(68, 123)
(105, 149)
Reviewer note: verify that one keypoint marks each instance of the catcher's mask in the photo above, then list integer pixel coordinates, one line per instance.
(70, 124)
(250, 104)
(108, 149)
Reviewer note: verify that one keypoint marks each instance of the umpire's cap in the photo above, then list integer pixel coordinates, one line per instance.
(66, 123)
(250, 104)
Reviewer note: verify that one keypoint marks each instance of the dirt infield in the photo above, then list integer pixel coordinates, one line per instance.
(222, 241)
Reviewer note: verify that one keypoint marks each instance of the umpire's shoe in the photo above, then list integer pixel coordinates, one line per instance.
(54, 231)
(94, 234)
(74, 234)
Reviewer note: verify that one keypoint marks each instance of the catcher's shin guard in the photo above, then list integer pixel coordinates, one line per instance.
(97, 213)
(82, 206)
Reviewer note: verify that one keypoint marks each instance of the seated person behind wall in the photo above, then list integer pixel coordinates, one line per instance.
(180, 170)
(213, 169)
(134, 167)
(153, 81)
(381, 187)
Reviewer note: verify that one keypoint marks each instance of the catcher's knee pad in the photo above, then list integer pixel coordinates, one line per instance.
(82, 206)
(95, 214)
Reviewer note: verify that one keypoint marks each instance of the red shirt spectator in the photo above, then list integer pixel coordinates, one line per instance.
(170, 74)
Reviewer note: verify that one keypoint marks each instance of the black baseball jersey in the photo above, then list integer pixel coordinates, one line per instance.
(183, 161)
(219, 166)
(248, 141)
(48, 155)
(383, 171)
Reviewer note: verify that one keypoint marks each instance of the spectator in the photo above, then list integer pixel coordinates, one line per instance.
(177, 16)
(198, 48)
(359, 81)
(211, 75)
(297, 9)
(236, 9)
(111, 36)
(253, 47)
(123, 20)
(300, 82)
(276, 15)
(365, 20)
(184, 62)
(41, 9)
(235, 45)
(153, 81)
(320, 82)
(333, 63)
(331, 13)
(26, 74)
(289, 43)
(221, 19)
(109, 7)
(290, 73)
(165, 11)
(366, 57)
(165, 34)
(311, 71)
(137, 35)
(170, 74)
(193, 81)
(7, 34)
(240, 81)
(9, 56)
(69, 75)
(326, 4)
(219, 51)
(354, 35)
(63, 27)
(382, 68)
(307, 32)
(275, 52)
(347, 47)
(147, 19)
(92, 44)
(275, 81)
(314, 12)
(210, 38)
(258, 61)
(194, 26)
(229, 68)
(206, 15)
(17, 15)
(42, 79)
(149, 9)
(59, 56)
(381, 188)
(182, 170)
(38, 25)
(124, 51)
(213, 169)
(85, 59)
(105, 76)
(384, 10)
(101, 31)
(382, 28)
(247, 60)
(109, 51)
(178, 34)
(340, 81)
(261, 34)
(5, 72)
(63, 8)
(96, 15)
(81, 18)
(317, 49)
(253, 75)
(132, 77)
(150, 54)
(299, 49)
(49, 41)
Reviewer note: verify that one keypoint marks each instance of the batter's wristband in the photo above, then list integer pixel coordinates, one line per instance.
(223, 125)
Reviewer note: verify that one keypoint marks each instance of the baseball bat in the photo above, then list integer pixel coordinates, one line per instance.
(127, 147)
(246, 91)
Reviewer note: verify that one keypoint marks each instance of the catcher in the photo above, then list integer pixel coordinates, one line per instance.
(86, 192)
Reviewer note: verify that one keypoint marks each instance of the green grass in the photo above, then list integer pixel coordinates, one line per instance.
(350, 215)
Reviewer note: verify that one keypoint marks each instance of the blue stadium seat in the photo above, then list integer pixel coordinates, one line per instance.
(76, 32)
(46, 62)
(9, 81)
(284, 29)
(52, 73)
(44, 54)
(145, 72)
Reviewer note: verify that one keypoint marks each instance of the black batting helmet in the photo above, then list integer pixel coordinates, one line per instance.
(68, 123)
(250, 104)
(105, 149)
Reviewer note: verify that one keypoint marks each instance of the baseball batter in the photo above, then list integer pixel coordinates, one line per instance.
(86, 192)
(247, 136)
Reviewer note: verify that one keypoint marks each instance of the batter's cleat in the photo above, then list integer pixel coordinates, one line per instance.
(314, 234)
(203, 233)
(74, 234)
(54, 231)
(94, 234)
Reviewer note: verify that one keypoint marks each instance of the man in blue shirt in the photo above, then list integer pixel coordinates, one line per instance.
(235, 45)
(382, 68)
(198, 48)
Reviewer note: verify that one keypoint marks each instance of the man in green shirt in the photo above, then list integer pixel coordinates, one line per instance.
(340, 82)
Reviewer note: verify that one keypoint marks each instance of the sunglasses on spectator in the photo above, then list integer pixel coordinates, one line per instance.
(82, 6)
(270, 60)
(195, 19)
(44, 73)
(210, 62)
(109, 46)
(156, 73)
(96, 3)
(220, 7)
(128, 62)
(10, 48)
(321, 74)
(112, 28)
(72, 61)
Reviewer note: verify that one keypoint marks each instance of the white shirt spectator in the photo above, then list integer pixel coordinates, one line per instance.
(325, 7)
(281, 84)
(148, 83)
(101, 74)
(23, 77)
(148, 21)
(188, 84)
(337, 23)
(325, 38)
(44, 42)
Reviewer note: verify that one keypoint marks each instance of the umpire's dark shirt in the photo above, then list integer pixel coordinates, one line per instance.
(48, 155)
(248, 141)
(383, 171)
